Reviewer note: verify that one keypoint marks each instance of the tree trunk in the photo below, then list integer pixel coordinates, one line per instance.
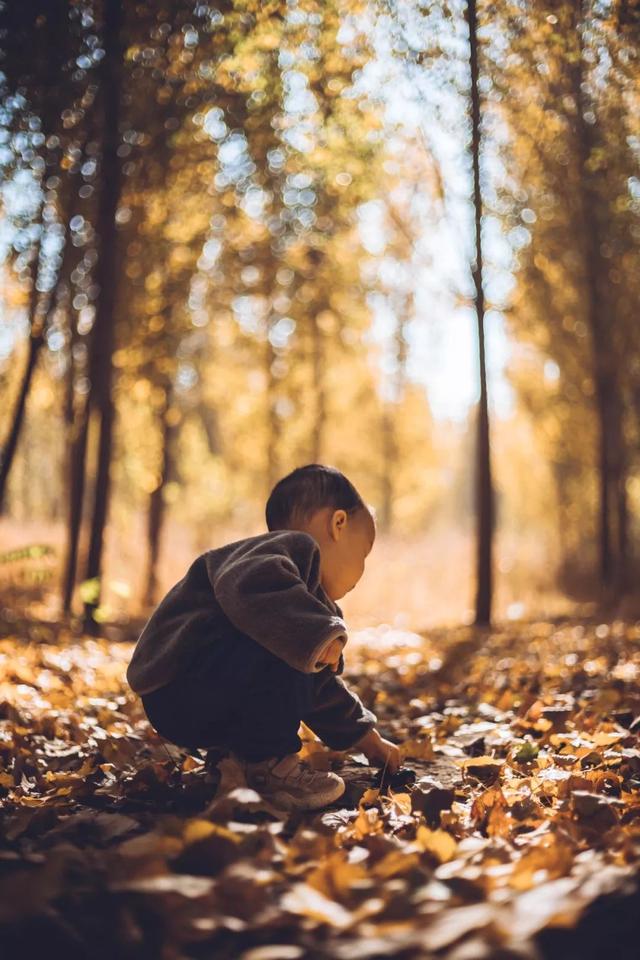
(320, 412)
(76, 437)
(76, 484)
(156, 514)
(484, 491)
(389, 464)
(613, 519)
(273, 420)
(102, 343)
(71, 545)
(622, 504)
(36, 339)
(39, 307)
(391, 407)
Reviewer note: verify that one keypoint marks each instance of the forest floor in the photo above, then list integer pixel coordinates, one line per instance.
(512, 830)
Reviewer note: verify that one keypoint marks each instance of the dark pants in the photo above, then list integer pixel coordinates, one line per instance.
(234, 694)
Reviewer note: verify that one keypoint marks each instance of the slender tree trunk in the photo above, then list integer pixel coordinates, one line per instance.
(155, 519)
(390, 453)
(39, 307)
(484, 490)
(389, 463)
(320, 411)
(76, 437)
(75, 416)
(613, 519)
(76, 484)
(36, 339)
(623, 535)
(40, 313)
(67, 582)
(273, 420)
(102, 344)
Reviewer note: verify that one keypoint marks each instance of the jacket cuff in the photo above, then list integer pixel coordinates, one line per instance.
(350, 743)
(312, 665)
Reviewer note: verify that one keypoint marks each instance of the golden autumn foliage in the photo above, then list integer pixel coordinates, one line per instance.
(515, 812)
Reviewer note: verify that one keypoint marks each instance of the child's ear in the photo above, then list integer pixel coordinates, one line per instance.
(338, 522)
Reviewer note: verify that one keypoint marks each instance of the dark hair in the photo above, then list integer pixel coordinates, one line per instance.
(307, 489)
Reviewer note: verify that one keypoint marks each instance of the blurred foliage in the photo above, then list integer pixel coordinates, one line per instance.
(255, 145)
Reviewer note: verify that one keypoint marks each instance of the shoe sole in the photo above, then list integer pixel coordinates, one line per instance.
(286, 801)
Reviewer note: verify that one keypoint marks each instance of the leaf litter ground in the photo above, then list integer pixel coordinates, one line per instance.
(512, 830)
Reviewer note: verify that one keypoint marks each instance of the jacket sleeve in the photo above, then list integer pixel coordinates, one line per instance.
(339, 716)
(265, 595)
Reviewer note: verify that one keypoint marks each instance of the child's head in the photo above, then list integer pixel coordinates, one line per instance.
(321, 501)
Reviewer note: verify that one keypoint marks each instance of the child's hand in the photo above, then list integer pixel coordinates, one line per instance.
(378, 750)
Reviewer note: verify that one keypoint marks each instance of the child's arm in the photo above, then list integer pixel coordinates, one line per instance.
(334, 709)
(378, 750)
(265, 593)
(342, 721)
(339, 716)
(331, 653)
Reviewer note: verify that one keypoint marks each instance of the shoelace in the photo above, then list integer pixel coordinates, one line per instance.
(300, 776)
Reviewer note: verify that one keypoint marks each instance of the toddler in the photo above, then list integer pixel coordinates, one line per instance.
(249, 643)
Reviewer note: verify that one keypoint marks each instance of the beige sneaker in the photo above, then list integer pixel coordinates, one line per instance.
(290, 784)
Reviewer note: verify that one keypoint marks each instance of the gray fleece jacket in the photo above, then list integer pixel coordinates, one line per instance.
(268, 588)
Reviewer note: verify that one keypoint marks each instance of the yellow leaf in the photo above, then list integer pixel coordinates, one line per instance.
(367, 822)
(369, 796)
(438, 842)
(402, 801)
(30, 801)
(394, 863)
(198, 830)
(191, 763)
(418, 749)
(335, 877)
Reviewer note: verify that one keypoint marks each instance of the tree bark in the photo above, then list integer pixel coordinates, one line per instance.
(391, 406)
(484, 489)
(103, 339)
(613, 516)
(320, 411)
(36, 339)
(156, 515)
(273, 419)
(389, 464)
(76, 484)
(76, 437)
(47, 103)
